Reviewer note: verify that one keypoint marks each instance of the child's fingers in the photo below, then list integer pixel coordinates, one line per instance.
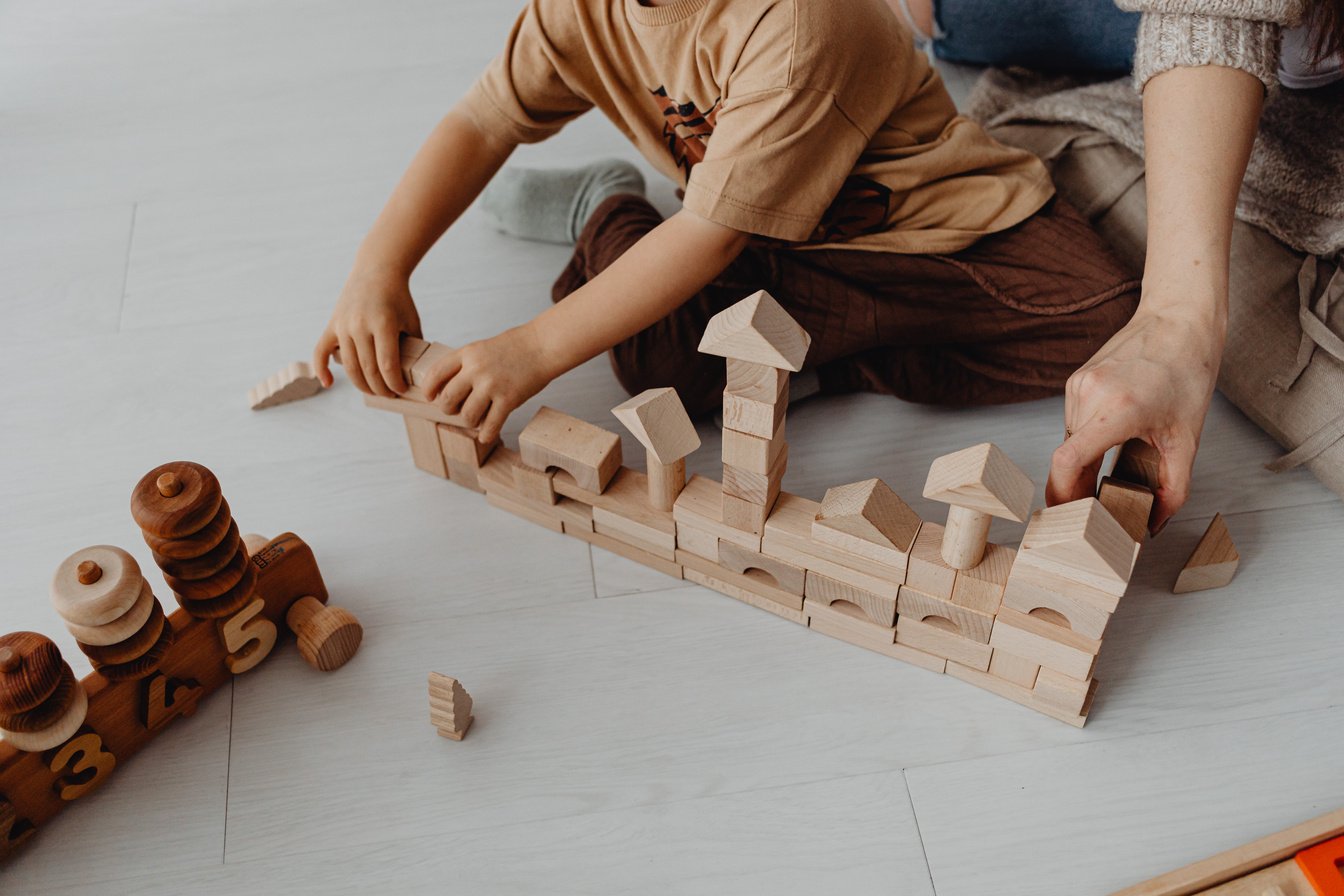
(454, 393)
(493, 423)
(351, 362)
(326, 344)
(475, 408)
(387, 344)
(368, 365)
(439, 375)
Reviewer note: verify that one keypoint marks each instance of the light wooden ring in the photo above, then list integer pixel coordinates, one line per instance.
(100, 602)
(118, 629)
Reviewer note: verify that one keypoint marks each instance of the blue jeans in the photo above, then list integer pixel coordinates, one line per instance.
(1047, 35)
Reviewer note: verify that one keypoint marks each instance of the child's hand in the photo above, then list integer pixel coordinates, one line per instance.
(371, 314)
(486, 381)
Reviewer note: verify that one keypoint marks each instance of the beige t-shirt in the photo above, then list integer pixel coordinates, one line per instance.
(811, 121)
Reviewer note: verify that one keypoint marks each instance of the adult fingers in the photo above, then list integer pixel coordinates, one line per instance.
(1074, 465)
(386, 342)
(350, 360)
(474, 408)
(326, 344)
(1174, 469)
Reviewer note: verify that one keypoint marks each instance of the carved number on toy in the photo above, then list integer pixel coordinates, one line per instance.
(167, 698)
(248, 636)
(88, 763)
(13, 829)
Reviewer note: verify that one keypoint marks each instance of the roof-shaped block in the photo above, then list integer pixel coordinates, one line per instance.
(869, 511)
(659, 420)
(981, 478)
(757, 329)
(1081, 535)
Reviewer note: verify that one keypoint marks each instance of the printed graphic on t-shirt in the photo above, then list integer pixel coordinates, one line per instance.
(860, 207)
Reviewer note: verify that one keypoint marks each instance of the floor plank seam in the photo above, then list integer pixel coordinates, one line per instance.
(126, 267)
(228, 773)
(914, 813)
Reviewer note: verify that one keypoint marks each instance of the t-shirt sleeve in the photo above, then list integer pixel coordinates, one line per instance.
(524, 95)
(776, 161)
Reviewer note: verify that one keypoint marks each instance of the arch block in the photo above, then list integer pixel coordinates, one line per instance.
(589, 453)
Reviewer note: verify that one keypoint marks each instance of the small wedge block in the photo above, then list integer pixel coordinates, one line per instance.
(981, 478)
(974, 625)
(747, 516)
(1130, 504)
(879, 608)
(757, 329)
(740, 560)
(1083, 541)
(1213, 563)
(1013, 669)
(1050, 645)
(788, 536)
(1020, 695)
(605, 541)
(698, 542)
(700, 505)
(750, 453)
(624, 507)
(758, 584)
(756, 488)
(848, 616)
(463, 446)
(1060, 691)
(981, 587)
(942, 642)
(425, 450)
(1139, 463)
(728, 589)
(534, 485)
(928, 571)
(590, 454)
(869, 519)
(294, 383)
(658, 420)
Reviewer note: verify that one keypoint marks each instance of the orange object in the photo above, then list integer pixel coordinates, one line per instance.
(1323, 866)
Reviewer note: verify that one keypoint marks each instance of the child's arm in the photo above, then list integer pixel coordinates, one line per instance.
(375, 307)
(487, 380)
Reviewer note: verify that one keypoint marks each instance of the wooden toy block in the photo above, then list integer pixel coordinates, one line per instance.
(756, 488)
(977, 482)
(590, 454)
(293, 383)
(974, 625)
(1060, 691)
(565, 485)
(788, 536)
(426, 451)
(1139, 463)
(1242, 860)
(751, 453)
(1044, 642)
(742, 561)
(463, 447)
(1130, 504)
(1019, 694)
(657, 418)
(328, 637)
(658, 561)
(760, 381)
(496, 474)
(528, 511)
(844, 615)
(757, 412)
(753, 581)
(1323, 866)
(747, 597)
(698, 542)
(450, 706)
(426, 359)
(624, 508)
(879, 608)
(1013, 669)
(534, 485)
(928, 571)
(1283, 879)
(658, 550)
(1040, 593)
(1213, 563)
(1027, 578)
(869, 519)
(421, 410)
(827, 622)
(465, 475)
(700, 505)
(947, 642)
(1082, 541)
(745, 515)
(576, 516)
(981, 587)
(759, 330)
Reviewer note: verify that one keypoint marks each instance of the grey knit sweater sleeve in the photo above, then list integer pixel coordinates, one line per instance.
(1242, 34)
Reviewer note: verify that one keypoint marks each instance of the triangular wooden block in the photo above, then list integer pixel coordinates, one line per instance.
(659, 420)
(869, 511)
(1213, 562)
(1082, 536)
(757, 329)
(291, 384)
(981, 478)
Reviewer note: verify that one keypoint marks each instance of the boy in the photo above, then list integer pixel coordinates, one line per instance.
(821, 159)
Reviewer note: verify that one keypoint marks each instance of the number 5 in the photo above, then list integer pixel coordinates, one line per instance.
(248, 636)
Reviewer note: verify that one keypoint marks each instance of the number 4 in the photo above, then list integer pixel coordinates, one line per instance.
(248, 636)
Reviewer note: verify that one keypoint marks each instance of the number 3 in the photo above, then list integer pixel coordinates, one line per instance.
(84, 753)
(248, 636)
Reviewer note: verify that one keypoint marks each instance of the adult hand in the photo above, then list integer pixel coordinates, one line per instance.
(374, 309)
(1153, 381)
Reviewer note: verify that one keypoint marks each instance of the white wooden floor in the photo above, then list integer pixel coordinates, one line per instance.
(181, 190)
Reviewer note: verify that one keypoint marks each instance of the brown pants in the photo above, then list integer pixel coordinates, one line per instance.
(1008, 319)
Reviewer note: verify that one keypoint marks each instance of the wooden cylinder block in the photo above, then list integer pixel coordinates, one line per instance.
(965, 537)
(665, 482)
(30, 670)
(328, 636)
(95, 585)
(55, 735)
(180, 510)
